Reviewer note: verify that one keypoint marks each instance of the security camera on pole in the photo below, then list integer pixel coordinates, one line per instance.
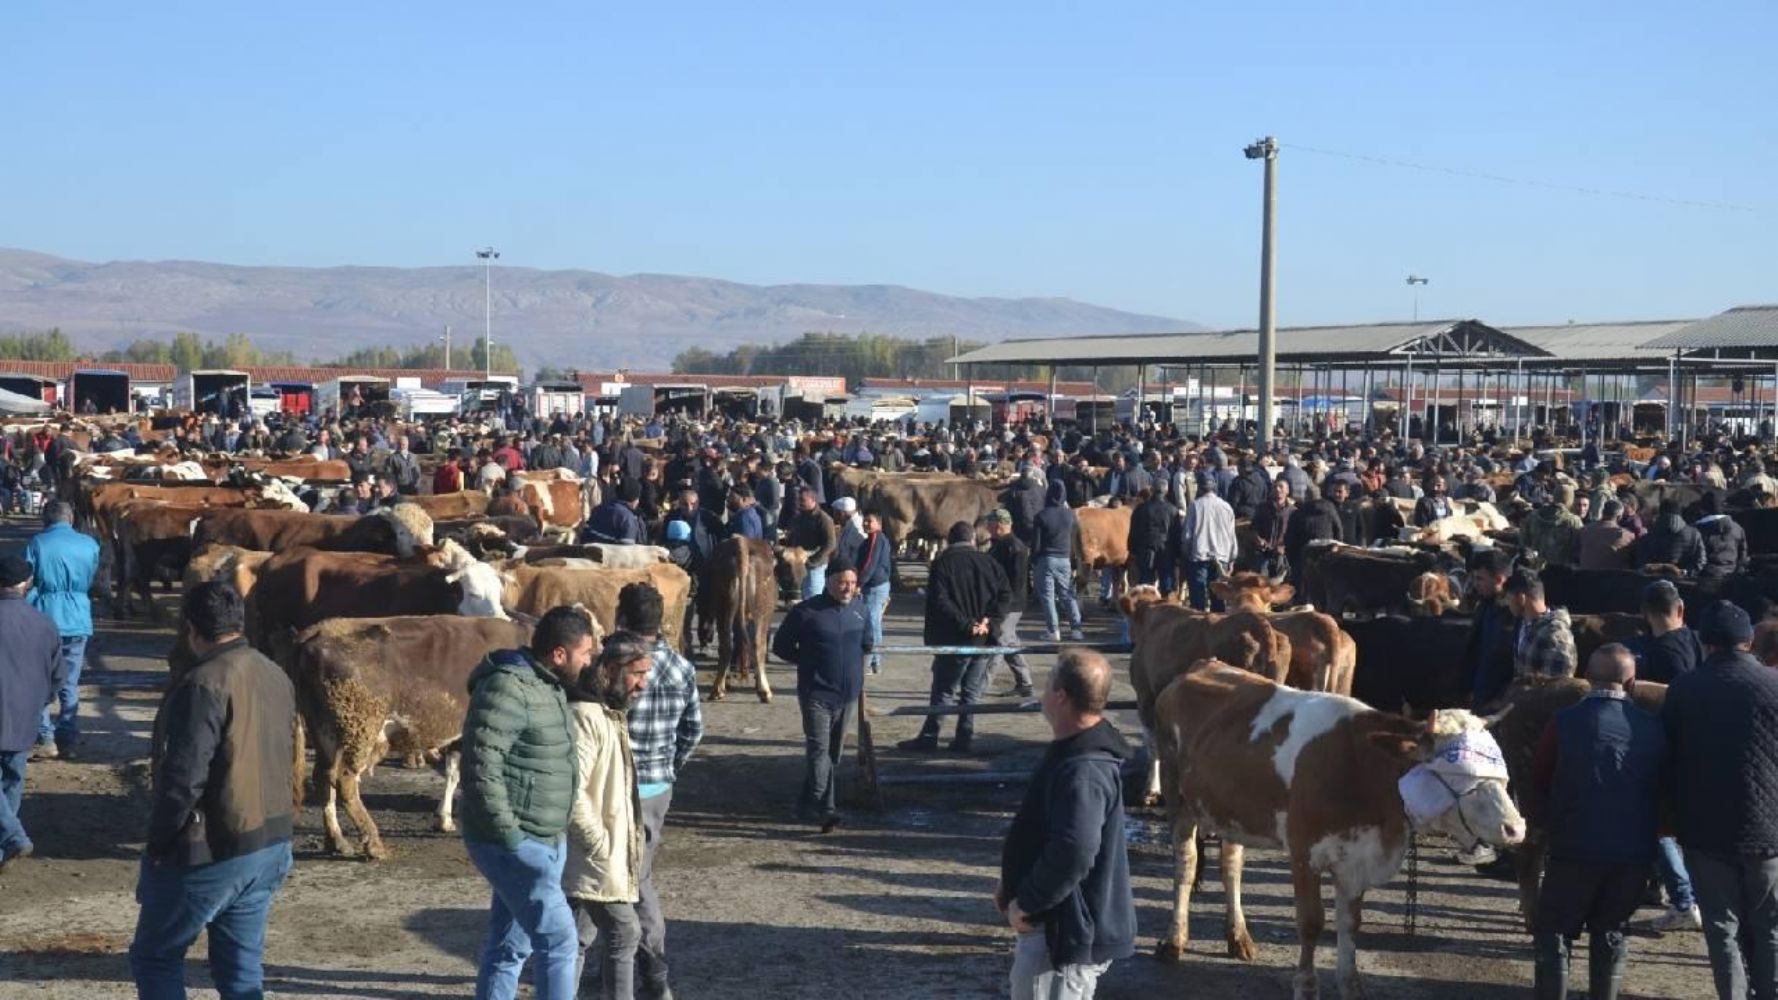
(1267, 149)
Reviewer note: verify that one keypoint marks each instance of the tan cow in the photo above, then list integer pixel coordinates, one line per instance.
(371, 687)
(533, 590)
(452, 506)
(1322, 656)
(1102, 541)
(738, 595)
(1315, 775)
(1167, 637)
(1430, 595)
(920, 505)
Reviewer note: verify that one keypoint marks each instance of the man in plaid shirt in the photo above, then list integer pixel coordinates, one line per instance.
(1544, 644)
(665, 725)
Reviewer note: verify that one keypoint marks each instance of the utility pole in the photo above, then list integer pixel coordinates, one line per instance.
(447, 343)
(488, 256)
(1267, 149)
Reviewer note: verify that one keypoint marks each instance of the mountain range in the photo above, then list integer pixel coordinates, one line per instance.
(569, 318)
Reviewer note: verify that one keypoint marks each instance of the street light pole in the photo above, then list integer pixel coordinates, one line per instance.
(488, 256)
(1414, 282)
(1267, 149)
(447, 343)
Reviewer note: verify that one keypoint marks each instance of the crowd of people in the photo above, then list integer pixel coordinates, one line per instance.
(571, 748)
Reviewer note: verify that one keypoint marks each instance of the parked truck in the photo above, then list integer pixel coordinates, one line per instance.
(222, 391)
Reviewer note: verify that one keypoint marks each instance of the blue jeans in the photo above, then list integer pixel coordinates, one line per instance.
(528, 913)
(1198, 577)
(1055, 582)
(814, 581)
(231, 898)
(12, 789)
(957, 680)
(1673, 875)
(64, 725)
(876, 601)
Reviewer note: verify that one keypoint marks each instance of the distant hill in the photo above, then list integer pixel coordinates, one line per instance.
(565, 318)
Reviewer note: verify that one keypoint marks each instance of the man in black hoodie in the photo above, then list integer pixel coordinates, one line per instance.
(1064, 870)
(1725, 542)
(966, 596)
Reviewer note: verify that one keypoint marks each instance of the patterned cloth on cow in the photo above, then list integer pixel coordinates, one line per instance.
(1462, 762)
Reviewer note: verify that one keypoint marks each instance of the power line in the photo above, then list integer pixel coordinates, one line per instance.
(1723, 206)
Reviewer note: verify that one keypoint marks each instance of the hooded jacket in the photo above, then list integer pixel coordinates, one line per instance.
(1052, 532)
(1671, 540)
(518, 752)
(963, 587)
(1725, 546)
(1554, 533)
(1064, 861)
(604, 857)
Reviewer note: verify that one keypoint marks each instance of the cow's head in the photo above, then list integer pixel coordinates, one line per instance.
(1461, 769)
(481, 584)
(1247, 591)
(1429, 595)
(412, 527)
(1136, 599)
(791, 565)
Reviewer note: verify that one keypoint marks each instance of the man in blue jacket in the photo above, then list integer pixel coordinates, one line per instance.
(1722, 732)
(64, 561)
(826, 637)
(30, 674)
(1598, 768)
(1064, 870)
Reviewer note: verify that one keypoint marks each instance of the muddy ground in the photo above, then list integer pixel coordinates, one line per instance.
(894, 905)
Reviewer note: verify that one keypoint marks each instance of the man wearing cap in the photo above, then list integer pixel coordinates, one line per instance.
(1722, 731)
(31, 671)
(63, 562)
(615, 521)
(1014, 559)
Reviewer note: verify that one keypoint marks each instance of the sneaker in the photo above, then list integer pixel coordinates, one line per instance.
(919, 744)
(1052, 637)
(1022, 691)
(1076, 635)
(831, 822)
(9, 857)
(1475, 857)
(45, 751)
(1675, 919)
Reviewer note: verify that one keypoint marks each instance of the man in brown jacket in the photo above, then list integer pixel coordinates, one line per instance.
(1606, 544)
(220, 820)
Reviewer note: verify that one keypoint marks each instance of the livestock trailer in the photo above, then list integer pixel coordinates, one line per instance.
(690, 399)
(222, 391)
(352, 394)
(32, 386)
(546, 399)
(99, 390)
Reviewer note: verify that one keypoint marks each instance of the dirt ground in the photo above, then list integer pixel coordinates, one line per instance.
(895, 904)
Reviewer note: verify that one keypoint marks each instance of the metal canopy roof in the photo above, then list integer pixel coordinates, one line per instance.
(1740, 327)
(1603, 342)
(1449, 339)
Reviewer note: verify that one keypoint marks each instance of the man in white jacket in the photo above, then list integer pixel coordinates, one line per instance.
(604, 863)
(1206, 542)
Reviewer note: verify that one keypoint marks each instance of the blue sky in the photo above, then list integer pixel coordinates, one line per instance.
(975, 148)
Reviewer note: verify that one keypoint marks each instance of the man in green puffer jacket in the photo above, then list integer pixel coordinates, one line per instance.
(518, 787)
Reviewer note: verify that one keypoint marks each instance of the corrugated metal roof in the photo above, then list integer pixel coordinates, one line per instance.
(1304, 343)
(981, 385)
(60, 370)
(1599, 341)
(1742, 326)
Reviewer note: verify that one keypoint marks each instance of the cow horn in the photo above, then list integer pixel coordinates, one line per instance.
(1497, 717)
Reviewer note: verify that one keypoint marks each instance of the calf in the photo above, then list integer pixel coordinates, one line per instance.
(369, 687)
(1315, 775)
(1322, 658)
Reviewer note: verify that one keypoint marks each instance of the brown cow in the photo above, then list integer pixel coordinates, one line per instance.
(738, 595)
(304, 587)
(533, 590)
(920, 505)
(1312, 774)
(1343, 579)
(153, 542)
(558, 505)
(400, 530)
(370, 687)
(452, 506)
(1322, 656)
(1166, 638)
(1430, 595)
(1102, 541)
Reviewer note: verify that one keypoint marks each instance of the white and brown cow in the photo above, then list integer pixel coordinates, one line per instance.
(1315, 775)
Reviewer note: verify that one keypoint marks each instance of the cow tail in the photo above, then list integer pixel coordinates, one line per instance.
(298, 765)
(739, 587)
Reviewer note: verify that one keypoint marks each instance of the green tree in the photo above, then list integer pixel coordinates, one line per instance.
(46, 345)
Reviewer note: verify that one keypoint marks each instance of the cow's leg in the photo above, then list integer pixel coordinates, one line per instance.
(367, 827)
(453, 774)
(1185, 873)
(1530, 864)
(1153, 796)
(1348, 913)
(756, 652)
(327, 774)
(1235, 921)
(725, 652)
(1306, 885)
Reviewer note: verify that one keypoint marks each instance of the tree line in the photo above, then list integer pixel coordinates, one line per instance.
(237, 350)
(876, 355)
